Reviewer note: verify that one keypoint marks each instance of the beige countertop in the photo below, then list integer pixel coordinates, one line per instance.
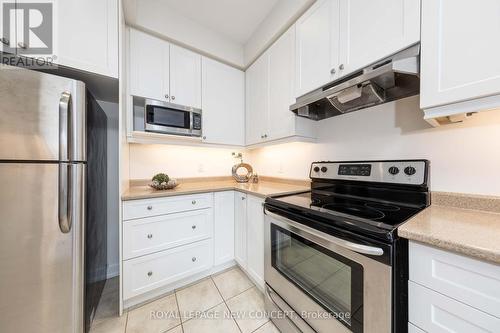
(265, 187)
(463, 229)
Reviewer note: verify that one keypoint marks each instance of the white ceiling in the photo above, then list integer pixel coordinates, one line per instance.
(235, 19)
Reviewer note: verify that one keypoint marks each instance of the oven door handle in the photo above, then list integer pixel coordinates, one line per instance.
(359, 248)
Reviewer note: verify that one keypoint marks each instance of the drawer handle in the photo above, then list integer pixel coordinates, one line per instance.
(150, 273)
(193, 202)
(150, 207)
(150, 236)
(193, 259)
(193, 227)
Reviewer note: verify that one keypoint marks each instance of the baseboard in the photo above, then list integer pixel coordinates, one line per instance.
(113, 270)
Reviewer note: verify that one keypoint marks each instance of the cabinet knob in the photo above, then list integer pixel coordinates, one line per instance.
(150, 273)
(204, 137)
(5, 41)
(193, 202)
(265, 135)
(166, 96)
(173, 98)
(242, 198)
(150, 207)
(262, 136)
(193, 259)
(150, 236)
(341, 67)
(193, 227)
(332, 71)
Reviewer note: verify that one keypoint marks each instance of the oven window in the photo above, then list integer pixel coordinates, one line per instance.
(167, 117)
(331, 280)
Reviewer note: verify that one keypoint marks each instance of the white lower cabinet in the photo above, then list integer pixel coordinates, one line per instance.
(449, 292)
(255, 239)
(149, 272)
(240, 229)
(414, 329)
(223, 227)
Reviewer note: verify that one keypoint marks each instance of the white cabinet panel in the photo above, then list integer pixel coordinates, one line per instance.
(436, 313)
(223, 103)
(149, 66)
(87, 35)
(372, 30)
(153, 234)
(147, 273)
(185, 77)
(134, 209)
(460, 51)
(240, 228)
(414, 329)
(255, 239)
(470, 281)
(317, 46)
(223, 227)
(257, 100)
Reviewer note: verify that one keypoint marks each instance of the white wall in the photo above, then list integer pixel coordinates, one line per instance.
(180, 161)
(464, 157)
(281, 17)
(151, 16)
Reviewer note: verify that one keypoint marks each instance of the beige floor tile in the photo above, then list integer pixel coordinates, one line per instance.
(232, 283)
(248, 310)
(267, 328)
(156, 317)
(177, 329)
(217, 319)
(198, 297)
(110, 325)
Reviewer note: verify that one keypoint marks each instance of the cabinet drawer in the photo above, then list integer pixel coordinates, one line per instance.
(157, 233)
(467, 280)
(436, 313)
(135, 209)
(149, 272)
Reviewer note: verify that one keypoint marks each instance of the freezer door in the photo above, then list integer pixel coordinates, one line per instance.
(42, 116)
(41, 261)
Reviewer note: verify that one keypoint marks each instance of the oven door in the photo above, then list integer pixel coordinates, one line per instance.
(171, 118)
(328, 282)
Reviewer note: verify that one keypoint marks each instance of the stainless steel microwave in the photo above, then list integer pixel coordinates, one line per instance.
(168, 118)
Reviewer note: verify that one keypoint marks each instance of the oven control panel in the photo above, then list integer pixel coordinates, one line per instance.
(409, 172)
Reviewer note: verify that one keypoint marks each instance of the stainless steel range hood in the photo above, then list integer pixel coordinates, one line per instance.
(387, 80)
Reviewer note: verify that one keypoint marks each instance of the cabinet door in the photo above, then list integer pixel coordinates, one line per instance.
(317, 46)
(185, 77)
(149, 66)
(255, 239)
(87, 35)
(224, 227)
(460, 51)
(240, 228)
(257, 100)
(223, 103)
(372, 30)
(281, 85)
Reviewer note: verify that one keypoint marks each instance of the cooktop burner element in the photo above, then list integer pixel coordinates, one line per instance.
(372, 198)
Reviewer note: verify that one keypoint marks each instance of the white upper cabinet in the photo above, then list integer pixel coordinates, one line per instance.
(257, 100)
(460, 53)
(87, 35)
(149, 70)
(185, 77)
(372, 30)
(317, 46)
(223, 103)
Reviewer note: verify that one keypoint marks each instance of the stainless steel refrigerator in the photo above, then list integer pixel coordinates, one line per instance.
(42, 202)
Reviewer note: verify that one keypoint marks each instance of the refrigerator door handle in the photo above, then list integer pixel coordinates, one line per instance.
(64, 126)
(65, 192)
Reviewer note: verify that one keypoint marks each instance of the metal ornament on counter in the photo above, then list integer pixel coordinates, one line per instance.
(241, 178)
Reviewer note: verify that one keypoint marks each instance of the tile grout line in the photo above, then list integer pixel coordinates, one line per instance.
(126, 323)
(178, 311)
(227, 306)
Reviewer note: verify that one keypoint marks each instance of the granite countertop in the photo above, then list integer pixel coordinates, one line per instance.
(267, 186)
(457, 224)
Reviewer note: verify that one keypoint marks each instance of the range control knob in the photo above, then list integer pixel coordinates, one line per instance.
(316, 169)
(324, 169)
(393, 170)
(410, 171)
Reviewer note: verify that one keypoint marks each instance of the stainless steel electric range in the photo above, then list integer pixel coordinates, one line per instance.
(333, 259)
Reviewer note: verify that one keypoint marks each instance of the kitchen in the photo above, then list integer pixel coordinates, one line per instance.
(264, 166)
